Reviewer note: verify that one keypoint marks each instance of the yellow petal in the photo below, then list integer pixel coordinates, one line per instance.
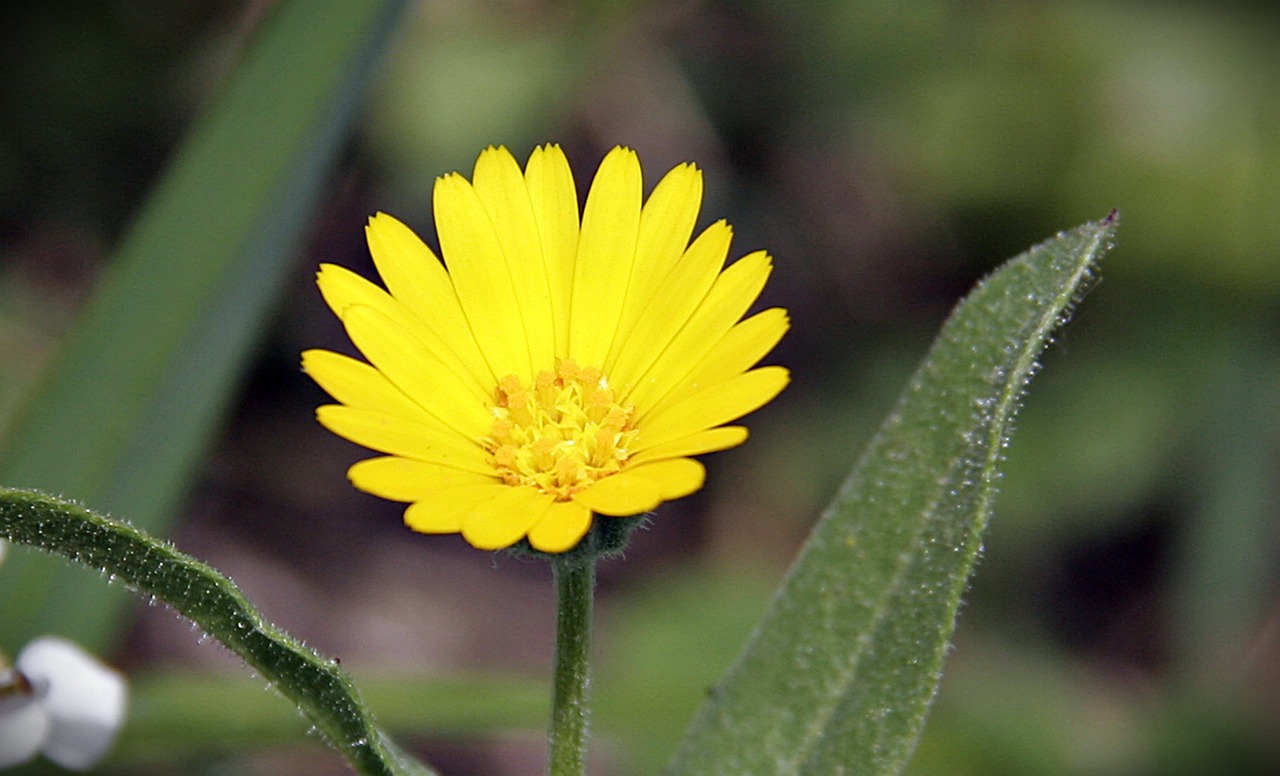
(666, 223)
(397, 435)
(706, 441)
(620, 495)
(404, 479)
(503, 520)
(356, 384)
(344, 291)
(448, 509)
(736, 352)
(668, 218)
(561, 528)
(418, 281)
(500, 185)
(555, 207)
(606, 254)
(674, 477)
(342, 288)
(480, 276)
(730, 297)
(715, 405)
(418, 371)
(682, 290)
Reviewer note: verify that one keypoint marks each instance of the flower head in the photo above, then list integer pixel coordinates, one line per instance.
(553, 367)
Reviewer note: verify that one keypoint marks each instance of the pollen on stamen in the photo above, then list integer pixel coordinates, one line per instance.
(562, 433)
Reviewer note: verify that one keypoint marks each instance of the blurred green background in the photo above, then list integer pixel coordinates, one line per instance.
(1125, 618)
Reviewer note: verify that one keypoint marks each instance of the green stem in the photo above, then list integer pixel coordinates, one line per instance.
(570, 706)
(320, 687)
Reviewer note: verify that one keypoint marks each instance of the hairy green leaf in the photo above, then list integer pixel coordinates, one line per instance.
(320, 688)
(840, 672)
(122, 419)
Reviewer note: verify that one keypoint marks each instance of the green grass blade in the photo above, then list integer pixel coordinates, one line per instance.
(320, 688)
(134, 399)
(841, 670)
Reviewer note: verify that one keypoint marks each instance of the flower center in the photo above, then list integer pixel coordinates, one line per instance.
(560, 434)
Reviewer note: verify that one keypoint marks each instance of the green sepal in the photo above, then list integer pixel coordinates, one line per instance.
(607, 538)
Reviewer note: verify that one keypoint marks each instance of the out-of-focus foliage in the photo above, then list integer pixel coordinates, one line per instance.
(140, 383)
(888, 154)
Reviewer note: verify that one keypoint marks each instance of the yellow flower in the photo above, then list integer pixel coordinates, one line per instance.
(558, 367)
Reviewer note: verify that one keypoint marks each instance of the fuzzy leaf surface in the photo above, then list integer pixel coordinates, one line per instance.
(840, 672)
(121, 552)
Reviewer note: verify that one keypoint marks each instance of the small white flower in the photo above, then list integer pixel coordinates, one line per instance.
(60, 701)
(24, 725)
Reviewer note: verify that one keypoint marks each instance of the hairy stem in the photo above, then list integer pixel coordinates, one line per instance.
(570, 709)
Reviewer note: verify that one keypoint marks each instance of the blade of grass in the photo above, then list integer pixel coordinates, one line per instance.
(1225, 549)
(840, 672)
(135, 397)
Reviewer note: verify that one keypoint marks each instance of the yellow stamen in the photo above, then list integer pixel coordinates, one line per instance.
(562, 433)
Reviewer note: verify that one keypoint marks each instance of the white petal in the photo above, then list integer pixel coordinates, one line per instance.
(23, 722)
(85, 700)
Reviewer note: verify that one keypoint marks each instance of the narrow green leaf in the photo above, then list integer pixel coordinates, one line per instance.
(841, 670)
(320, 688)
(1224, 549)
(123, 418)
